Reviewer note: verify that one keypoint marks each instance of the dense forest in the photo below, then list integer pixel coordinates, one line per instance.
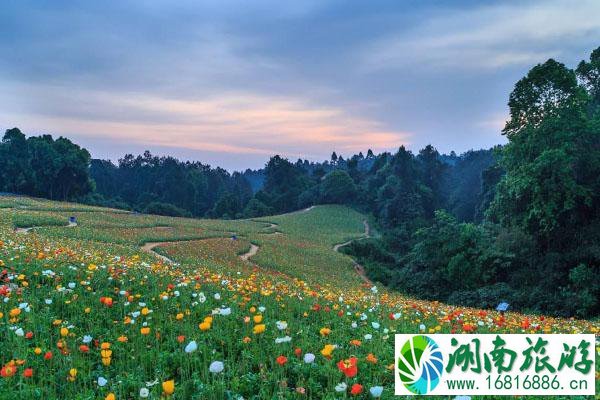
(517, 223)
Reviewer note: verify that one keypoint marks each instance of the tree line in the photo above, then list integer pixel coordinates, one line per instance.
(515, 223)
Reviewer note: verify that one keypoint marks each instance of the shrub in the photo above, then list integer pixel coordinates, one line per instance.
(169, 210)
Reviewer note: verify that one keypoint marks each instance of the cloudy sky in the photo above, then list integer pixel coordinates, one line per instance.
(233, 82)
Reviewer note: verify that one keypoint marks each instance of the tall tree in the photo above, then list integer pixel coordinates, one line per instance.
(14, 162)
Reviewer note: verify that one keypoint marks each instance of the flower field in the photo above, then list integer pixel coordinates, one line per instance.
(85, 314)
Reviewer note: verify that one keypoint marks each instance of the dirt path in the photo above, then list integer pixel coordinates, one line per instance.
(27, 230)
(149, 248)
(253, 250)
(360, 270)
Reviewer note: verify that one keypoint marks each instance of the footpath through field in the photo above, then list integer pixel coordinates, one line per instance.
(360, 270)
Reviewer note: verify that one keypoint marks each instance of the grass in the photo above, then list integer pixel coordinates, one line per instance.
(61, 277)
(33, 219)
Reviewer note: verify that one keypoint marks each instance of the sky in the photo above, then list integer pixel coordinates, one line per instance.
(230, 83)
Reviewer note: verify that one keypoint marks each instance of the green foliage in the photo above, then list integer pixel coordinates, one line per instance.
(284, 182)
(537, 246)
(169, 210)
(191, 186)
(42, 166)
(256, 208)
(338, 187)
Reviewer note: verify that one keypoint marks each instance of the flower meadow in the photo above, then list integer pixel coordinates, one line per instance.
(89, 319)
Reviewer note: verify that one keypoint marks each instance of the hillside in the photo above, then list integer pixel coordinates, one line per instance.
(92, 309)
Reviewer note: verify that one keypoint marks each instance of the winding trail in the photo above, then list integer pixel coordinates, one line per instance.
(360, 270)
(27, 230)
(270, 225)
(148, 247)
(253, 250)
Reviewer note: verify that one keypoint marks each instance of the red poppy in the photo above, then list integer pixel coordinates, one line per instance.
(84, 348)
(348, 367)
(180, 338)
(298, 351)
(28, 373)
(281, 360)
(7, 371)
(48, 355)
(29, 335)
(356, 389)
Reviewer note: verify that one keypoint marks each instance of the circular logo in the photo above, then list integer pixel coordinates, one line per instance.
(420, 364)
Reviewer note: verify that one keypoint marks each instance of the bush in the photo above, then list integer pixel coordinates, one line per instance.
(256, 208)
(169, 210)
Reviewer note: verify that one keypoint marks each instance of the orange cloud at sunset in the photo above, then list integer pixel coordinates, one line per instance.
(233, 123)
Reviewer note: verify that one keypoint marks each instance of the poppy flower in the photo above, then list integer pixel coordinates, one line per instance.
(48, 355)
(309, 358)
(216, 367)
(371, 358)
(191, 347)
(28, 373)
(281, 360)
(8, 370)
(72, 374)
(168, 387)
(145, 330)
(376, 391)
(348, 367)
(260, 328)
(356, 389)
(84, 348)
(107, 301)
(204, 326)
(325, 331)
(328, 350)
(298, 351)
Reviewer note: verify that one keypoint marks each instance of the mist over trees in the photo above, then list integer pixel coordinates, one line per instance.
(516, 223)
